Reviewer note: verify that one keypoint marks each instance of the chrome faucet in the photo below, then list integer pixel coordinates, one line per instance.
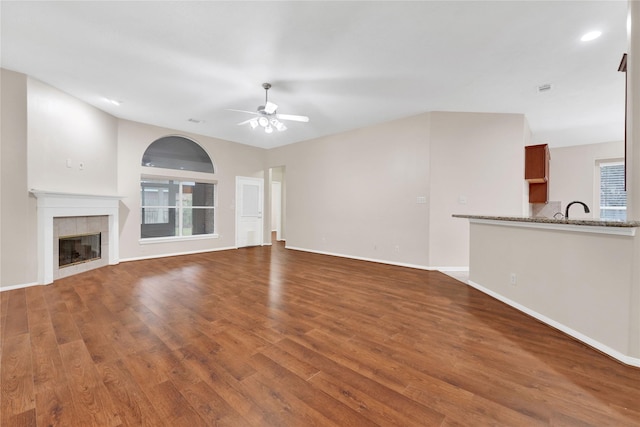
(566, 211)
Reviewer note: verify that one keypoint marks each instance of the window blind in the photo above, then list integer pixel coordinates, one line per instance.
(613, 198)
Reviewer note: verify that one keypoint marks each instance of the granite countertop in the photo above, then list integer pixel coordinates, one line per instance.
(589, 222)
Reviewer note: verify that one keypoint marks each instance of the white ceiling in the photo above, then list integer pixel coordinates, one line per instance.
(344, 64)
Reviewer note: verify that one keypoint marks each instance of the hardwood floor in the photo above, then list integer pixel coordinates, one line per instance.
(270, 337)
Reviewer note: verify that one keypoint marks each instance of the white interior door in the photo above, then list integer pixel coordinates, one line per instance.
(249, 207)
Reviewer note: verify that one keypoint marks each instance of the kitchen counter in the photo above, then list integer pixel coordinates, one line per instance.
(624, 228)
(576, 275)
(587, 222)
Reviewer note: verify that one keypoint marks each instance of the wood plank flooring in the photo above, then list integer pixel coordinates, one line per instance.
(266, 336)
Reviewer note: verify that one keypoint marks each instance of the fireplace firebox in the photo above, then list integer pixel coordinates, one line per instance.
(79, 249)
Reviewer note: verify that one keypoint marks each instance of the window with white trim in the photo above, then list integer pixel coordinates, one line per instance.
(613, 197)
(177, 204)
(172, 208)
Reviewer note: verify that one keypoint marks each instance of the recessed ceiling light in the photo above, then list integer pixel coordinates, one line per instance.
(591, 35)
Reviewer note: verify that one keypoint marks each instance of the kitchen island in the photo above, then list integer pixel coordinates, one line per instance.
(578, 276)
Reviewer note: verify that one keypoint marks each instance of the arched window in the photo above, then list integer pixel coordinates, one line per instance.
(176, 206)
(177, 152)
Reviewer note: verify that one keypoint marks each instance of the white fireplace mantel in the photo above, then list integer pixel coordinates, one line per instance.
(56, 204)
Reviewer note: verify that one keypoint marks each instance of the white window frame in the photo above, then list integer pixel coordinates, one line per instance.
(180, 179)
(599, 164)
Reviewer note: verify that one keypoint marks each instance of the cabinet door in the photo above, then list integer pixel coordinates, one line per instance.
(539, 193)
(536, 168)
(536, 172)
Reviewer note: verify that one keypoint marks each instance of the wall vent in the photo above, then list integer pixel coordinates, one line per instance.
(544, 88)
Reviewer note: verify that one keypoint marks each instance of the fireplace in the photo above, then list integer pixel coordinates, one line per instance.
(79, 242)
(78, 249)
(62, 215)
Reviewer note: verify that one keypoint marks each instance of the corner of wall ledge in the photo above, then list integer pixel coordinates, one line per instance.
(53, 193)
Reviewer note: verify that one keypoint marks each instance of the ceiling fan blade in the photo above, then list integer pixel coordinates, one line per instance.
(293, 117)
(242, 111)
(245, 122)
(270, 108)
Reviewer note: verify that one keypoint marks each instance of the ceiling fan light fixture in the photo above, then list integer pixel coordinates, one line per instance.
(266, 116)
(263, 121)
(278, 125)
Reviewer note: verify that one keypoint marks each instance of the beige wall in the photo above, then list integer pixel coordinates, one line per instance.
(230, 160)
(573, 173)
(477, 167)
(356, 193)
(17, 208)
(62, 128)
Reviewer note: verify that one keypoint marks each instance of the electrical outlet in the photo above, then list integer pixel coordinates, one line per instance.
(396, 248)
(513, 279)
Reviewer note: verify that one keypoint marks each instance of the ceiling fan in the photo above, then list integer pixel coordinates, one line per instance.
(267, 118)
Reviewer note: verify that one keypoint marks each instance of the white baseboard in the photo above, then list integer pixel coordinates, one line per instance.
(452, 269)
(176, 254)
(20, 286)
(379, 261)
(628, 360)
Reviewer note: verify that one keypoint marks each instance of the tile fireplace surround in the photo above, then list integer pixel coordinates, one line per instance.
(77, 226)
(52, 205)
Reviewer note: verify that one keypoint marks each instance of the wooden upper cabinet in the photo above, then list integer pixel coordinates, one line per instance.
(536, 164)
(536, 172)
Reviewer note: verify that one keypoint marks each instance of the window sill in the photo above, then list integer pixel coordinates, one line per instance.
(152, 240)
